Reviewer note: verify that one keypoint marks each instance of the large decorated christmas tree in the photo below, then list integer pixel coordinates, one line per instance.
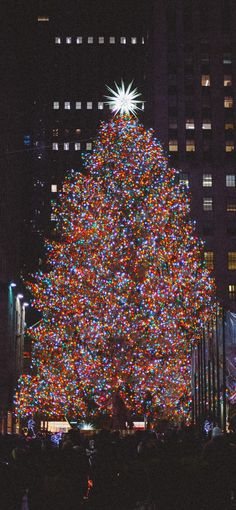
(126, 292)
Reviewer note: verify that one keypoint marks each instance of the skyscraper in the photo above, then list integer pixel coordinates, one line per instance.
(194, 64)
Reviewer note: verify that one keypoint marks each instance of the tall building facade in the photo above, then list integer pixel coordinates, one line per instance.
(73, 52)
(194, 79)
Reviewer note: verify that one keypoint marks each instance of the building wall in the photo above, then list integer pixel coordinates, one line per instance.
(194, 59)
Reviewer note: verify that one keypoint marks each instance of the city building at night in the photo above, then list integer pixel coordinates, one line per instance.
(194, 73)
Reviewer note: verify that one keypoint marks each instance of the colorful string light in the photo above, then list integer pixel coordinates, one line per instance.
(126, 293)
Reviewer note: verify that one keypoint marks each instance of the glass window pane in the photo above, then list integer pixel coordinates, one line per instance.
(207, 180)
(228, 102)
(207, 204)
(173, 145)
(190, 145)
(209, 259)
(230, 180)
(232, 292)
(205, 81)
(227, 80)
(232, 260)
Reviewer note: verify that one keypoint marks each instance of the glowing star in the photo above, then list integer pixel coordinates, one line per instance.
(124, 101)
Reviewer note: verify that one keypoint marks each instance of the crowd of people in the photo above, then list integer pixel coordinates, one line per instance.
(147, 470)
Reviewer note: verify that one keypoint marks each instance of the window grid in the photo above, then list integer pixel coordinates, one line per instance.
(231, 205)
(190, 145)
(209, 259)
(232, 291)
(230, 180)
(207, 180)
(206, 124)
(54, 188)
(207, 204)
(56, 105)
(228, 102)
(229, 146)
(227, 80)
(231, 260)
(205, 81)
(190, 124)
(173, 145)
(77, 146)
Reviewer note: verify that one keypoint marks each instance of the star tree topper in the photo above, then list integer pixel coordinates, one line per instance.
(124, 101)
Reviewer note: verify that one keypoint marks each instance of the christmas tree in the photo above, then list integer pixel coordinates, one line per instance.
(126, 293)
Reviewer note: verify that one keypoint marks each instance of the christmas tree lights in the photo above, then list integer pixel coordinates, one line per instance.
(126, 293)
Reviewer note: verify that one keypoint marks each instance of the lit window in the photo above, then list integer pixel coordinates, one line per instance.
(67, 105)
(55, 146)
(209, 259)
(207, 180)
(78, 105)
(88, 146)
(231, 205)
(53, 217)
(79, 39)
(231, 259)
(78, 131)
(227, 80)
(57, 40)
(227, 58)
(173, 123)
(68, 40)
(228, 101)
(133, 40)
(190, 146)
(190, 124)
(205, 81)
(123, 40)
(90, 39)
(43, 18)
(54, 188)
(143, 40)
(101, 40)
(229, 146)
(77, 146)
(207, 204)
(232, 292)
(230, 180)
(56, 105)
(55, 132)
(173, 145)
(112, 40)
(229, 125)
(206, 124)
(66, 146)
(100, 105)
(89, 105)
(184, 179)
